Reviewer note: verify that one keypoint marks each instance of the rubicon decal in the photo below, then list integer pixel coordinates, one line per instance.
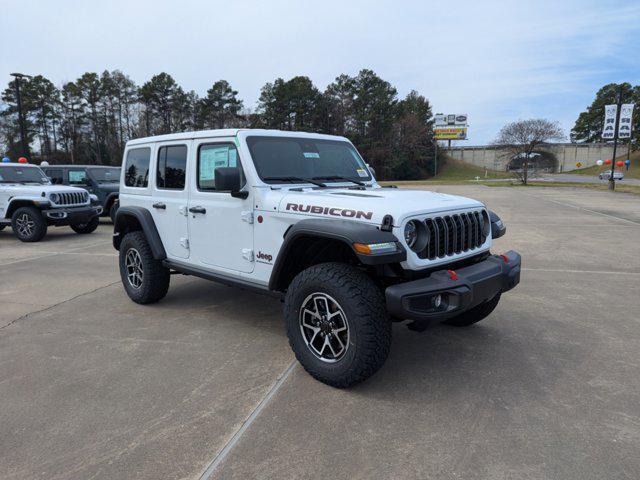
(333, 211)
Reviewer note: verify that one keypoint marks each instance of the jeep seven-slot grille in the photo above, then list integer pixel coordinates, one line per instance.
(72, 198)
(452, 234)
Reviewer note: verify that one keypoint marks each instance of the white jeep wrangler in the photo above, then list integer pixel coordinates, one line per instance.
(30, 203)
(300, 216)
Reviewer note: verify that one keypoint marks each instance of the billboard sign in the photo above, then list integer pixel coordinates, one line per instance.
(450, 127)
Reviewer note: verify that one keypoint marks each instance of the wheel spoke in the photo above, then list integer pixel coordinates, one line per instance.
(324, 327)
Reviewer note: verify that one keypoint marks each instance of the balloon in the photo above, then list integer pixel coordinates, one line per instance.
(607, 162)
(44, 163)
(627, 162)
(6, 160)
(23, 160)
(619, 163)
(599, 163)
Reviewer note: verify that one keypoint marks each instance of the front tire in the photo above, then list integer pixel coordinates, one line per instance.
(83, 228)
(337, 324)
(145, 279)
(477, 313)
(28, 224)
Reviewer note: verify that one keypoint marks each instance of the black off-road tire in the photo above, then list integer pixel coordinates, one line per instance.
(365, 310)
(31, 214)
(155, 277)
(477, 313)
(89, 227)
(113, 210)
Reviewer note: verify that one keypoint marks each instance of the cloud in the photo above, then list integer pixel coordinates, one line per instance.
(497, 61)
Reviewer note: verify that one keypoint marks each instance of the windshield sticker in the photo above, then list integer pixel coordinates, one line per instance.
(362, 172)
(311, 155)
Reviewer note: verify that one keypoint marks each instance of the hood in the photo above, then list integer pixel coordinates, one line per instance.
(109, 187)
(18, 187)
(372, 204)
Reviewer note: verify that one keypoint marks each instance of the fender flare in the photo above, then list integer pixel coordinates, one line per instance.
(141, 216)
(111, 197)
(38, 202)
(346, 231)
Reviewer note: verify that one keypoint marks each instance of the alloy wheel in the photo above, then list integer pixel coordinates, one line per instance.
(133, 265)
(324, 327)
(26, 225)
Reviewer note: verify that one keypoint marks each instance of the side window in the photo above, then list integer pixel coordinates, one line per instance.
(211, 157)
(137, 167)
(172, 163)
(78, 177)
(55, 175)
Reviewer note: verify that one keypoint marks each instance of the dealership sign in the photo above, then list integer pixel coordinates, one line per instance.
(450, 127)
(624, 126)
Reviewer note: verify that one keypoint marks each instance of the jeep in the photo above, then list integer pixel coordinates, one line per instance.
(300, 216)
(30, 203)
(102, 181)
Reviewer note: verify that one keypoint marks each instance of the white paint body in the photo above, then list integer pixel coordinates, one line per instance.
(229, 241)
(39, 195)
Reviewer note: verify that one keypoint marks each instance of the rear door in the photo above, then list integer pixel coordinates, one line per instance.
(169, 196)
(220, 226)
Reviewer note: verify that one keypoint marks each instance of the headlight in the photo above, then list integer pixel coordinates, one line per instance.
(54, 197)
(411, 233)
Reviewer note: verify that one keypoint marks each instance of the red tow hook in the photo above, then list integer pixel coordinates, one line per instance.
(505, 258)
(452, 274)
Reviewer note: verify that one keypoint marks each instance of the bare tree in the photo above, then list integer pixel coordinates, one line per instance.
(520, 139)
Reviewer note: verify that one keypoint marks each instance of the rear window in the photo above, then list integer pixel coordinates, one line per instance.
(137, 167)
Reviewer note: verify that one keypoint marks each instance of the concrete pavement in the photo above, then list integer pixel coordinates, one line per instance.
(94, 386)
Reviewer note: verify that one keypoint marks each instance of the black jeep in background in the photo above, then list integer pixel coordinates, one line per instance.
(102, 181)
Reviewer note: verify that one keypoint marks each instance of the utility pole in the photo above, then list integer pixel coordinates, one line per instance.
(23, 136)
(612, 182)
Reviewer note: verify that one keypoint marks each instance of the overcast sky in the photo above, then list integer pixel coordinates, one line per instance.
(496, 61)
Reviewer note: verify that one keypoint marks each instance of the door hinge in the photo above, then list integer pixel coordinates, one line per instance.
(247, 254)
(184, 241)
(247, 216)
(182, 210)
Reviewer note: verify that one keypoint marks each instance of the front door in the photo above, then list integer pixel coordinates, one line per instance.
(220, 226)
(170, 197)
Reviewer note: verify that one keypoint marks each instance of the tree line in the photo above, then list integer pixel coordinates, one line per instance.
(89, 120)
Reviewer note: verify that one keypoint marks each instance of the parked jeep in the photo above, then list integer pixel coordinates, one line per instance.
(30, 203)
(301, 216)
(102, 181)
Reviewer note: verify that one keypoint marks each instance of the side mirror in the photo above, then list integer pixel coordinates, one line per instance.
(228, 179)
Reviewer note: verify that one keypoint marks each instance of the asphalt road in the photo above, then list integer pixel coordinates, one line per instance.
(574, 178)
(203, 384)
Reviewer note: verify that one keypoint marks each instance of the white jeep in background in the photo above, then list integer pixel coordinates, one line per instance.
(30, 203)
(301, 216)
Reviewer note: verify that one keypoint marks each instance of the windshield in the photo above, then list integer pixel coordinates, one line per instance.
(23, 175)
(297, 160)
(105, 175)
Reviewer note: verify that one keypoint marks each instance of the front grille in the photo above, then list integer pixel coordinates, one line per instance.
(72, 198)
(453, 234)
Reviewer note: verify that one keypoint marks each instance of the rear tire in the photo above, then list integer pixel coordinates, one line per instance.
(83, 228)
(28, 224)
(145, 279)
(332, 296)
(477, 313)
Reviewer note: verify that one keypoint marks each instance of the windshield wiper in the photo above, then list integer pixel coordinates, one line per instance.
(296, 179)
(342, 179)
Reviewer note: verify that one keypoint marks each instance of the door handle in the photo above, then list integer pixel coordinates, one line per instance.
(161, 206)
(197, 210)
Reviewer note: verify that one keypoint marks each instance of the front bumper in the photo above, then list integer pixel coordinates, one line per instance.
(71, 215)
(447, 293)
